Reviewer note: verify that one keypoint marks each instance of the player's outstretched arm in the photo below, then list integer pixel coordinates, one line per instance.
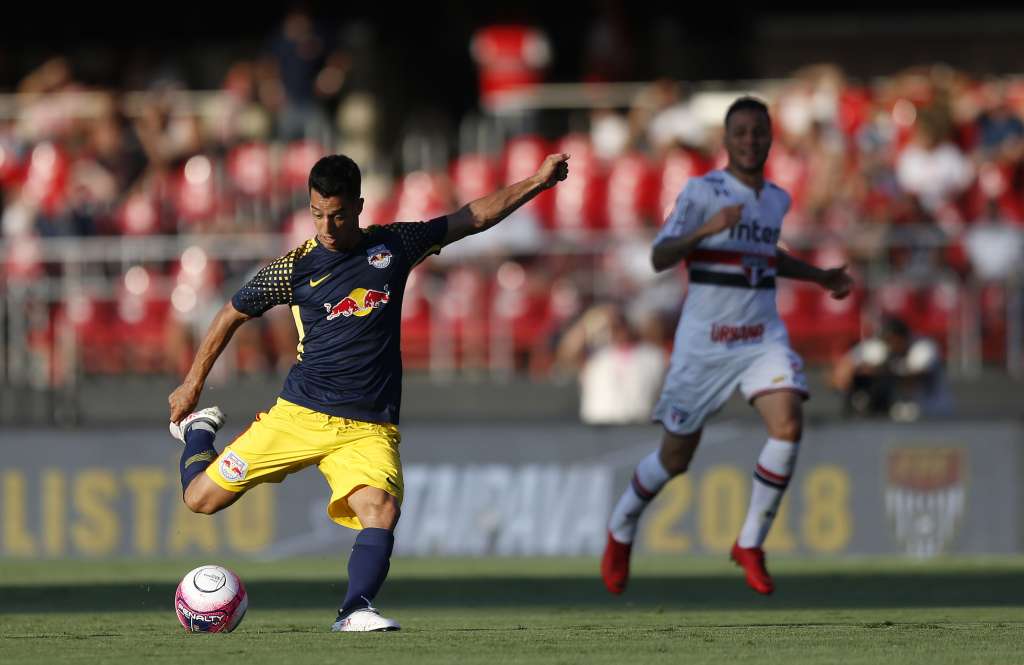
(671, 251)
(185, 397)
(483, 213)
(834, 280)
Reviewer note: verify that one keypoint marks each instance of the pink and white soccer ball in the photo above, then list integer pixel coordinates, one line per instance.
(210, 599)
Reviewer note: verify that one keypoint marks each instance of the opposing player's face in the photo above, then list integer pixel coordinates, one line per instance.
(748, 137)
(335, 218)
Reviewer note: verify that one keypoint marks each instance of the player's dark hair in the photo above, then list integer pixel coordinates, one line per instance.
(335, 175)
(893, 325)
(746, 104)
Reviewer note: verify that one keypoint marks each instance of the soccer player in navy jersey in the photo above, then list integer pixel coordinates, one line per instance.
(339, 407)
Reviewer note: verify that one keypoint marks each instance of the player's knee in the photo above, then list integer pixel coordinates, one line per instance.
(201, 503)
(676, 461)
(790, 429)
(377, 509)
(387, 512)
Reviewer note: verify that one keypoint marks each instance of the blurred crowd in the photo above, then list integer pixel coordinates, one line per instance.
(914, 180)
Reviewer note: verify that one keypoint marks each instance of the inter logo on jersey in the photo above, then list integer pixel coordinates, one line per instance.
(379, 256)
(360, 302)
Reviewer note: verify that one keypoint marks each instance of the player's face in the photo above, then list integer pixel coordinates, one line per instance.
(748, 137)
(335, 217)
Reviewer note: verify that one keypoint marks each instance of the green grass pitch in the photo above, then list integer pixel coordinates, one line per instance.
(679, 610)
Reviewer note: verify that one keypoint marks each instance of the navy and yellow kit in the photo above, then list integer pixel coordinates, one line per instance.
(348, 309)
(340, 404)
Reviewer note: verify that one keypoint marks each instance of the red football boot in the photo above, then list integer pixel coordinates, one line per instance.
(615, 565)
(751, 560)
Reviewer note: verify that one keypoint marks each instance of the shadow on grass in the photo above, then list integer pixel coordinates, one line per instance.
(717, 592)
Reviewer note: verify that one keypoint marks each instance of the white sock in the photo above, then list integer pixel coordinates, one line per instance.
(648, 479)
(771, 476)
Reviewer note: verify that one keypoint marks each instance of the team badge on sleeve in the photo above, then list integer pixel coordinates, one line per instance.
(379, 256)
(232, 467)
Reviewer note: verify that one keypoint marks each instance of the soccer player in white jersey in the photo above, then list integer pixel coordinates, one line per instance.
(726, 226)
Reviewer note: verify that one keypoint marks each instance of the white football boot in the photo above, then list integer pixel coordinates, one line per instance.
(365, 620)
(211, 415)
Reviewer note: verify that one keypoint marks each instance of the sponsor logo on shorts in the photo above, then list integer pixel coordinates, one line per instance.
(379, 256)
(723, 333)
(779, 379)
(232, 467)
(678, 416)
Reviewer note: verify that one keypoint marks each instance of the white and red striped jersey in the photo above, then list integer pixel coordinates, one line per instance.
(731, 297)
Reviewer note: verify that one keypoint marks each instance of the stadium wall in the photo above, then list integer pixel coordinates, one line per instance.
(532, 489)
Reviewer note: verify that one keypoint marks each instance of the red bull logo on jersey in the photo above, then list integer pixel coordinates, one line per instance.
(360, 302)
(379, 256)
(727, 334)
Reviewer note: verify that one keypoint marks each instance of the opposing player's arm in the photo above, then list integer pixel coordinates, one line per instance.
(835, 280)
(185, 397)
(671, 250)
(483, 213)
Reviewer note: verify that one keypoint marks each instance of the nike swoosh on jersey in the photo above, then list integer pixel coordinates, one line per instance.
(314, 282)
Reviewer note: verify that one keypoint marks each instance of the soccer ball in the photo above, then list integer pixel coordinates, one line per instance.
(210, 599)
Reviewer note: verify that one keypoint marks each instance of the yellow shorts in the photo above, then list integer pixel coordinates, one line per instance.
(350, 454)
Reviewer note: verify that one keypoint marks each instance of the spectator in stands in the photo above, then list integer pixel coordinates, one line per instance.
(663, 118)
(932, 167)
(994, 245)
(1000, 131)
(619, 373)
(301, 50)
(894, 373)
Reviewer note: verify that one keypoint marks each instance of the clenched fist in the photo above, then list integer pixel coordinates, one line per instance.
(554, 170)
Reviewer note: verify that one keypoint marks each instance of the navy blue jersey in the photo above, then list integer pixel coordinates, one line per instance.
(348, 309)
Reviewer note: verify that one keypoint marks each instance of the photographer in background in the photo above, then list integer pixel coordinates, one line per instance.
(894, 373)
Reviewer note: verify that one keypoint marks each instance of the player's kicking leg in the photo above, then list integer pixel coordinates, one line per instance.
(783, 416)
(198, 431)
(369, 562)
(651, 474)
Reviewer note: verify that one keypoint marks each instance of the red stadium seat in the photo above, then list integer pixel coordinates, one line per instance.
(840, 322)
(788, 169)
(463, 304)
(422, 195)
(522, 313)
(98, 334)
(249, 170)
(993, 305)
(416, 321)
(799, 306)
(23, 259)
(474, 176)
(46, 178)
(195, 193)
(12, 170)
(296, 162)
(631, 194)
(138, 214)
(939, 317)
(676, 168)
(896, 298)
(579, 201)
(520, 160)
